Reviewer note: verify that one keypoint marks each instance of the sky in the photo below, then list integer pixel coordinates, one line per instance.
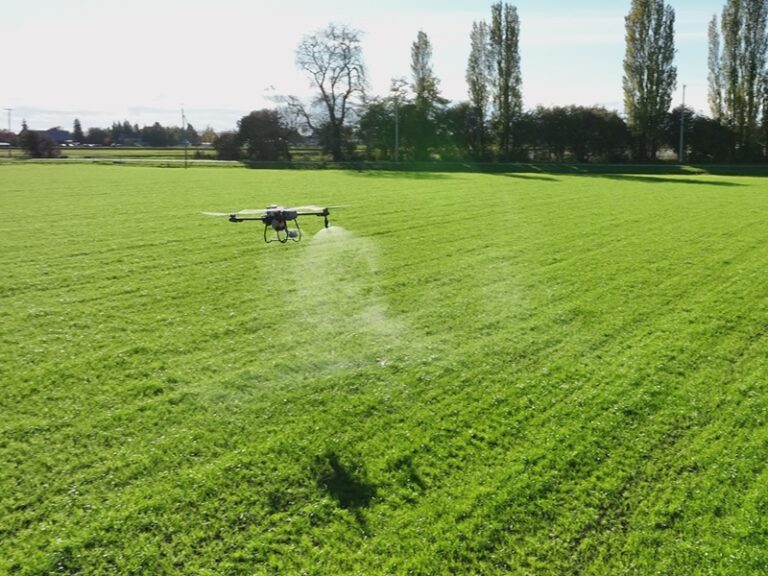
(144, 61)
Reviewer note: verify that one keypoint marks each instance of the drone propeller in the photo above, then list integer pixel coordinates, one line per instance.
(252, 211)
(307, 208)
(233, 213)
(262, 212)
(217, 213)
(314, 208)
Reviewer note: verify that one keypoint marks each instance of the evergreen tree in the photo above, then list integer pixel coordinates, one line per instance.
(190, 136)
(650, 75)
(77, 132)
(156, 136)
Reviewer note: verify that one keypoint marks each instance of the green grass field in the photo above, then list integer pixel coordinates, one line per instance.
(469, 374)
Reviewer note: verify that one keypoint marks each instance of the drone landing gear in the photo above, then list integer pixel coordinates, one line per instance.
(283, 232)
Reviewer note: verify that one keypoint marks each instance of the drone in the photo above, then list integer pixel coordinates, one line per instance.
(277, 219)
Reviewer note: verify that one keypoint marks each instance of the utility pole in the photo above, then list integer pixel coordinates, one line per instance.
(9, 110)
(397, 132)
(396, 88)
(681, 154)
(184, 134)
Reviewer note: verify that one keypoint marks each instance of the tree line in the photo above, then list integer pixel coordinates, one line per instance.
(45, 143)
(414, 121)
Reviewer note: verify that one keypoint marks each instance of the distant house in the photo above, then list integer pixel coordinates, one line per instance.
(58, 135)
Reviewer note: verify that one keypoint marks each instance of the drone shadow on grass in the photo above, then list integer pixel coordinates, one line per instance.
(346, 484)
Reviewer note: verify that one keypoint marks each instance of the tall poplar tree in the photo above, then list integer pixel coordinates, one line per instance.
(650, 75)
(741, 65)
(479, 84)
(764, 123)
(422, 130)
(715, 76)
(425, 83)
(507, 93)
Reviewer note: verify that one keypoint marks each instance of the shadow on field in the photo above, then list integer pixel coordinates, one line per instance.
(546, 170)
(659, 179)
(400, 175)
(531, 177)
(438, 168)
(344, 483)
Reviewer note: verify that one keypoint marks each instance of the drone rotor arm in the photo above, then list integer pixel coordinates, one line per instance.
(236, 218)
(278, 218)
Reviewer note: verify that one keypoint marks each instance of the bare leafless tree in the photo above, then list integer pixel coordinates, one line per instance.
(332, 59)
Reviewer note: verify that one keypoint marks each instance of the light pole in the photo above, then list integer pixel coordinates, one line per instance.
(184, 133)
(397, 132)
(396, 88)
(9, 110)
(681, 154)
